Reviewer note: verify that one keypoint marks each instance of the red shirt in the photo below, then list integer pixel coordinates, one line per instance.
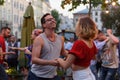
(2, 43)
(83, 53)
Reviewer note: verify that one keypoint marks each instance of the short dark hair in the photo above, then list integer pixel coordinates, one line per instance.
(4, 28)
(43, 18)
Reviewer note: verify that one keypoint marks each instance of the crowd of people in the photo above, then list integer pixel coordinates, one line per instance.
(93, 56)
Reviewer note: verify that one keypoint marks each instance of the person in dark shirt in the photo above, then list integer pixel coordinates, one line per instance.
(28, 50)
(12, 59)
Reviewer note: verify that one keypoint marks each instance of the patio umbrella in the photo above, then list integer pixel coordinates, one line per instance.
(28, 26)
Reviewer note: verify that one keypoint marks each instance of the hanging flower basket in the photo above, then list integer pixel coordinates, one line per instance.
(2, 2)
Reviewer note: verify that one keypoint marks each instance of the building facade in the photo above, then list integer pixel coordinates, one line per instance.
(66, 23)
(13, 10)
(12, 15)
(79, 14)
(95, 14)
(40, 7)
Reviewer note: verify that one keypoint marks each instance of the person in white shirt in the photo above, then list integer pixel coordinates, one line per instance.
(99, 43)
(69, 44)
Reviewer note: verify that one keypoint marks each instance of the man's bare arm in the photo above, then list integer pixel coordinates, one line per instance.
(36, 53)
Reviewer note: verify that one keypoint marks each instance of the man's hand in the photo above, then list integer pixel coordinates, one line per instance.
(54, 62)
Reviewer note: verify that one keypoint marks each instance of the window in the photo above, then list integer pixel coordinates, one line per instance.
(76, 20)
(96, 13)
(15, 4)
(15, 19)
(96, 19)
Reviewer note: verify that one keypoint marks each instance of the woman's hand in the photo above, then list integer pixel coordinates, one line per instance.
(13, 48)
(59, 59)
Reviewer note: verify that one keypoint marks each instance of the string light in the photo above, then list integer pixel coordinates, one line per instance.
(113, 3)
(109, 3)
(107, 11)
(106, 2)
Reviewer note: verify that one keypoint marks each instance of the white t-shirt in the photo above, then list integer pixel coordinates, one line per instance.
(68, 45)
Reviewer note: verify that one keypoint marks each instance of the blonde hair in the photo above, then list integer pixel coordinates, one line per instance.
(86, 28)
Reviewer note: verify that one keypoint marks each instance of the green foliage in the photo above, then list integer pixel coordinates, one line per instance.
(112, 19)
(55, 14)
(13, 74)
(76, 3)
(95, 3)
(12, 71)
(2, 2)
(61, 71)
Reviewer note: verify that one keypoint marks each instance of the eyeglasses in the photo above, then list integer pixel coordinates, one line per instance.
(50, 19)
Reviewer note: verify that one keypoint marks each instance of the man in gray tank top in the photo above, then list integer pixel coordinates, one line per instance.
(47, 47)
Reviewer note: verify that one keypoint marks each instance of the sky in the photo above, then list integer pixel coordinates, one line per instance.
(55, 4)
